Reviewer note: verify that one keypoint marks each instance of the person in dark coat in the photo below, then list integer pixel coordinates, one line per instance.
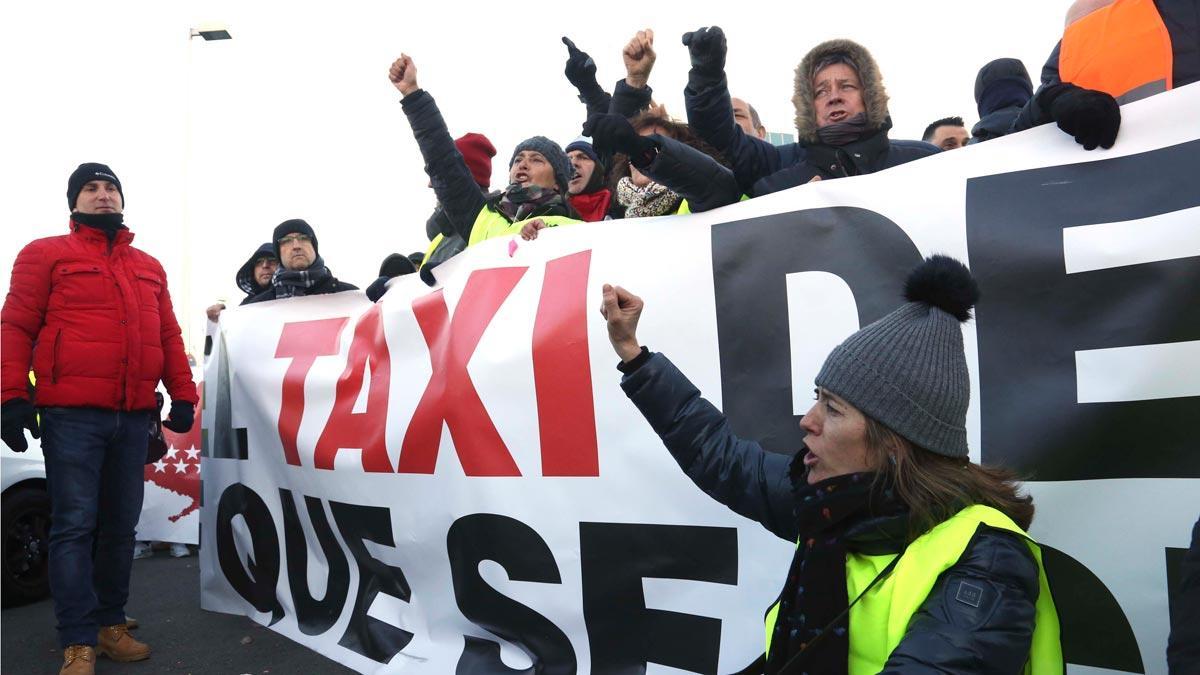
(671, 170)
(882, 497)
(1183, 646)
(842, 119)
(538, 171)
(1002, 88)
(302, 271)
(253, 277)
(445, 243)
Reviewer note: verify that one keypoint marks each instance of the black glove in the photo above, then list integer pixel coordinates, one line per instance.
(377, 288)
(17, 415)
(581, 68)
(1092, 117)
(707, 48)
(181, 417)
(611, 133)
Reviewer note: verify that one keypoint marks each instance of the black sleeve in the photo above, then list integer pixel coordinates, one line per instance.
(628, 101)
(710, 115)
(1183, 646)
(1032, 114)
(979, 617)
(695, 176)
(738, 473)
(597, 101)
(456, 189)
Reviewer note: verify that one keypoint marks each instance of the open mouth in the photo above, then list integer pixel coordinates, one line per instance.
(521, 178)
(838, 115)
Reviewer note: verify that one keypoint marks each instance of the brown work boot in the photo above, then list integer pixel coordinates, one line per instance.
(78, 660)
(116, 643)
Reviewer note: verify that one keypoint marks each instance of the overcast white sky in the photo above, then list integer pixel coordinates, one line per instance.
(218, 142)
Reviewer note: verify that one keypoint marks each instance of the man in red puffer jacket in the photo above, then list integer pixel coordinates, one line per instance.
(93, 317)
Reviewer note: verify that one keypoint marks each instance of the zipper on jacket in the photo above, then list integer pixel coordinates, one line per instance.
(54, 354)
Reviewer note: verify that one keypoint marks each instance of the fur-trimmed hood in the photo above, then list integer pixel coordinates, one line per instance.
(875, 97)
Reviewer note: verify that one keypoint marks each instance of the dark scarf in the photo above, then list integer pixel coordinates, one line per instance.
(108, 223)
(815, 591)
(592, 206)
(643, 202)
(841, 133)
(291, 283)
(520, 203)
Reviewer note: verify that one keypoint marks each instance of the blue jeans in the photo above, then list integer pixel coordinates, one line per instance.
(94, 461)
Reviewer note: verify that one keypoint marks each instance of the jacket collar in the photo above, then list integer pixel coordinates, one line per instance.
(92, 235)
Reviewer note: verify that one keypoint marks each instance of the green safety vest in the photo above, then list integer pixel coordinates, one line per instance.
(489, 224)
(880, 619)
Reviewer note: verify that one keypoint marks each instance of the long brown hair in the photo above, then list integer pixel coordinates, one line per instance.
(936, 487)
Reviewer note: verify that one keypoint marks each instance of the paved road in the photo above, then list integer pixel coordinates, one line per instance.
(165, 598)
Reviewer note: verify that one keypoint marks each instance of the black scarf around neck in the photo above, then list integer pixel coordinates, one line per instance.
(108, 223)
(815, 593)
(841, 133)
(291, 283)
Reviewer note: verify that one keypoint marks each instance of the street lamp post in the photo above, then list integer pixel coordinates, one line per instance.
(208, 32)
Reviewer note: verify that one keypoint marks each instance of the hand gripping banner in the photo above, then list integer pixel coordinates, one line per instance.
(452, 480)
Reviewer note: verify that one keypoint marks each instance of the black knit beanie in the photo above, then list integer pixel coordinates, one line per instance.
(288, 227)
(86, 173)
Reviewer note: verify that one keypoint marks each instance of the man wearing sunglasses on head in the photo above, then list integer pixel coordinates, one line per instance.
(301, 269)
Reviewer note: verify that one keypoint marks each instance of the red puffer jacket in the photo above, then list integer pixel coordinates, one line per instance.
(96, 323)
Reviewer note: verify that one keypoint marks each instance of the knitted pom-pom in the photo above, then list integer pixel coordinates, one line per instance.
(945, 283)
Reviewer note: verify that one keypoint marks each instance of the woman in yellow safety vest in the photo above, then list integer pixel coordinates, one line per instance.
(538, 172)
(909, 557)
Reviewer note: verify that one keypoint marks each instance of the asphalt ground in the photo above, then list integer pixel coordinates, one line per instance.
(165, 598)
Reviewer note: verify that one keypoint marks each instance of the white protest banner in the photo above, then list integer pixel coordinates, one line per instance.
(451, 480)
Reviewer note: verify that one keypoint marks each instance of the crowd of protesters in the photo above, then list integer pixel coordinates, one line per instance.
(633, 160)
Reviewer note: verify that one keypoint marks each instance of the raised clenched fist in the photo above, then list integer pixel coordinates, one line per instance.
(403, 75)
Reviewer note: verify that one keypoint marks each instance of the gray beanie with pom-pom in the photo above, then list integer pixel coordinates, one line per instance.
(908, 370)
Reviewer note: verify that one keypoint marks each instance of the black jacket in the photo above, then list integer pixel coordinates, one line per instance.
(757, 164)
(330, 285)
(691, 174)
(455, 187)
(944, 636)
(1183, 647)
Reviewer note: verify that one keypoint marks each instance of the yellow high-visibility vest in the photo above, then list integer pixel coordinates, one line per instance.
(880, 619)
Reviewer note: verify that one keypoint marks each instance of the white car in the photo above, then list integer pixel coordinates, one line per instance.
(26, 513)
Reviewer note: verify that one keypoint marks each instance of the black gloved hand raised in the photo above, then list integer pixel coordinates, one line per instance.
(17, 415)
(581, 68)
(707, 49)
(613, 133)
(1092, 117)
(181, 417)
